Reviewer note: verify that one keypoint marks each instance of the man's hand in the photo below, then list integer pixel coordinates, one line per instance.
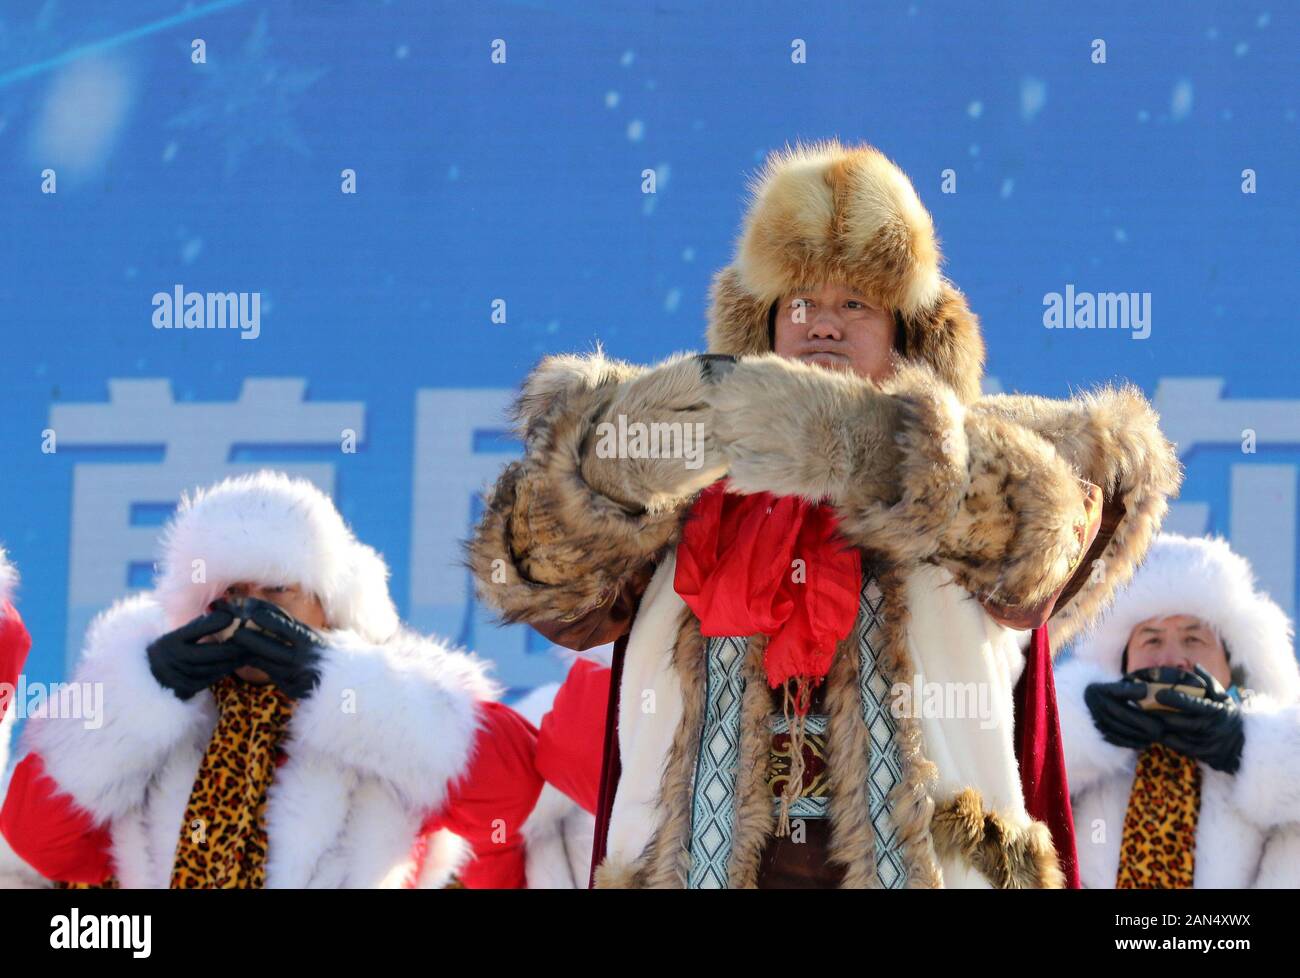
(1210, 729)
(674, 395)
(1117, 716)
(285, 649)
(183, 664)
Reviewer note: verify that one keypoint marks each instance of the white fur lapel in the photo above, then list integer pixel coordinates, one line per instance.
(963, 662)
(107, 768)
(645, 736)
(306, 815)
(1228, 846)
(405, 711)
(326, 827)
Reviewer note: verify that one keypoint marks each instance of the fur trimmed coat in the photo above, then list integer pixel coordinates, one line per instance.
(978, 507)
(383, 795)
(1242, 815)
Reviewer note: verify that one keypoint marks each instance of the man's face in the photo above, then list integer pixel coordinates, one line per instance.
(836, 327)
(290, 599)
(1182, 641)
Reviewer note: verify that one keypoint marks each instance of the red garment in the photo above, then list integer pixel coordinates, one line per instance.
(737, 571)
(488, 804)
(573, 733)
(611, 764)
(51, 832)
(15, 643)
(1042, 756)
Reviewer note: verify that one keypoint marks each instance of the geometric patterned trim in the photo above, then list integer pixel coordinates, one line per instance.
(885, 770)
(713, 803)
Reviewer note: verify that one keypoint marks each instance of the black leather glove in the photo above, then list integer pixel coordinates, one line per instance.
(184, 665)
(285, 649)
(1210, 729)
(1117, 716)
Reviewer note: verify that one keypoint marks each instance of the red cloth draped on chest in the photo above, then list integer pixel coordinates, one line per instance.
(770, 565)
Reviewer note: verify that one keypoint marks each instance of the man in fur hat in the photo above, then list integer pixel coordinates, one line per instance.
(784, 707)
(267, 722)
(1185, 787)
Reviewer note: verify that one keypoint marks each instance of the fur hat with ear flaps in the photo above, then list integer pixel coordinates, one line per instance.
(825, 212)
(269, 529)
(1201, 576)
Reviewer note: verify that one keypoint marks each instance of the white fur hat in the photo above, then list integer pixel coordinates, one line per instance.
(270, 529)
(1202, 577)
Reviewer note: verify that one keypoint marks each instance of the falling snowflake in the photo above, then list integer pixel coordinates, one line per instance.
(1033, 96)
(248, 100)
(1180, 103)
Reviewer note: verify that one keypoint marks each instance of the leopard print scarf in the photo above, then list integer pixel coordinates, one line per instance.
(1158, 848)
(223, 837)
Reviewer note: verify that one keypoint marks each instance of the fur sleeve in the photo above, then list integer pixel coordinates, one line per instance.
(1088, 757)
(129, 723)
(1266, 788)
(404, 711)
(549, 547)
(912, 472)
(1110, 437)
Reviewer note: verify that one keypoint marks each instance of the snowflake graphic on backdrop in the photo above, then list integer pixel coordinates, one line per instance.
(248, 100)
(23, 43)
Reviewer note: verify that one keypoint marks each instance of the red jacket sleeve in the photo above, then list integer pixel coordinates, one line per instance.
(15, 643)
(488, 804)
(47, 829)
(572, 736)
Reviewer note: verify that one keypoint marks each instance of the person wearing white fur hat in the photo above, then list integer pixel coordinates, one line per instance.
(1180, 713)
(267, 722)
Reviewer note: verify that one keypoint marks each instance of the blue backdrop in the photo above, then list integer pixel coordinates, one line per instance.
(497, 156)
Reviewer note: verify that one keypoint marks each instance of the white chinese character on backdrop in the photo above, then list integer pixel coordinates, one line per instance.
(461, 443)
(1262, 498)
